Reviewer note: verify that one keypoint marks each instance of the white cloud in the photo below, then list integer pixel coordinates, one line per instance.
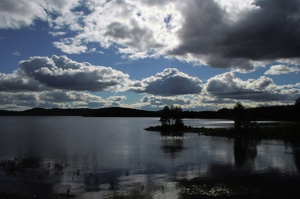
(281, 69)
(17, 14)
(16, 53)
(54, 34)
(228, 86)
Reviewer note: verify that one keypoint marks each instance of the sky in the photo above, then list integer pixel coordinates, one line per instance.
(146, 54)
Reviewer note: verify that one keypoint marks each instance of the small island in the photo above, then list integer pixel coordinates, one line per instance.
(172, 124)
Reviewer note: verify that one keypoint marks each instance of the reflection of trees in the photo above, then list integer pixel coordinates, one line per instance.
(297, 157)
(172, 145)
(296, 151)
(245, 151)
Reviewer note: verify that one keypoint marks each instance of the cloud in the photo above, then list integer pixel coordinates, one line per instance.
(170, 82)
(60, 72)
(117, 98)
(23, 13)
(18, 81)
(281, 69)
(17, 99)
(17, 14)
(266, 31)
(222, 33)
(228, 86)
(16, 53)
(73, 99)
(269, 32)
(51, 99)
(162, 101)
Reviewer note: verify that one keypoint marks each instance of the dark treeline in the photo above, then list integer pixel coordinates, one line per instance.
(276, 113)
(103, 112)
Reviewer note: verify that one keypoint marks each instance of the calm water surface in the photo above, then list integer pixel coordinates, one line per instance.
(116, 158)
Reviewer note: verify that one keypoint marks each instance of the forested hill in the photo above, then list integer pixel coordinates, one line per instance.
(103, 112)
(279, 113)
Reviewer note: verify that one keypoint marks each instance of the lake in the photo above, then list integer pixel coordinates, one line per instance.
(116, 158)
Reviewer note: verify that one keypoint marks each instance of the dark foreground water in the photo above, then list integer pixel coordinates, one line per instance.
(116, 158)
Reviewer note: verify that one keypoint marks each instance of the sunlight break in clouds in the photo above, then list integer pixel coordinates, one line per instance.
(224, 34)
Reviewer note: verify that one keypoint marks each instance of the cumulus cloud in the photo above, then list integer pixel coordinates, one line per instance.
(170, 82)
(228, 86)
(60, 72)
(281, 69)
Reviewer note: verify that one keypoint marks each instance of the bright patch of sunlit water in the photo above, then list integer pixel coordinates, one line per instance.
(116, 158)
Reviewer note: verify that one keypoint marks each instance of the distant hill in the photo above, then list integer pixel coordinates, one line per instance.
(103, 112)
(276, 113)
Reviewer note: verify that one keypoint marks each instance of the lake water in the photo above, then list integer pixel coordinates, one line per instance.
(116, 158)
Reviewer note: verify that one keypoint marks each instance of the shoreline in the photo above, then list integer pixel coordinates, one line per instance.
(283, 132)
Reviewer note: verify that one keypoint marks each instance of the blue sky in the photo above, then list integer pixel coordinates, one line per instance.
(199, 54)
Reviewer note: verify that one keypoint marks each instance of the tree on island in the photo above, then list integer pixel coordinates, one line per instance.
(171, 116)
(239, 116)
(241, 120)
(297, 109)
(297, 102)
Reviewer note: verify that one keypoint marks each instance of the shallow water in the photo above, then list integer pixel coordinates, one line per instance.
(116, 158)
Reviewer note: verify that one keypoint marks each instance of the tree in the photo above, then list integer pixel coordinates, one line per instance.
(171, 116)
(239, 115)
(176, 115)
(297, 110)
(297, 102)
(165, 117)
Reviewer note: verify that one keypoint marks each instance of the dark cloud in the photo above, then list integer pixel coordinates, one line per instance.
(203, 21)
(271, 31)
(170, 82)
